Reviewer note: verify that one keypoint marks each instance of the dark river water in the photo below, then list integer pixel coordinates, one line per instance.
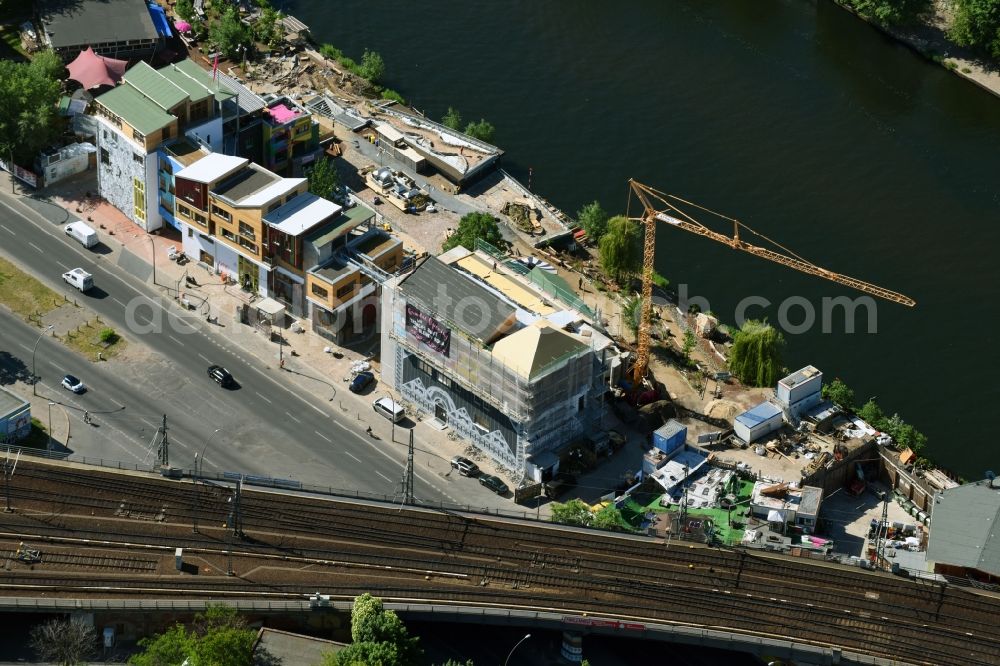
(793, 116)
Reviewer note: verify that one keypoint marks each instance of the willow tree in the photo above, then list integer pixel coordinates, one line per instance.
(755, 358)
(621, 249)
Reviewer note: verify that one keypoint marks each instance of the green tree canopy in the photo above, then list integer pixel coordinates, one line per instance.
(755, 358)
(323, 177)
(29, 92)
(840, 393)
(977, 24)
(621, 249)
(452, 118)
(890, 12)
(185, 9)
(379, 638)
(230, 33)
(268, 28)
(217, 637)
(372, 66)
(690, 342)
(631, 311)
(573, 512)
(483, 130)
(471, 227)
(609, 517)
(594, 220)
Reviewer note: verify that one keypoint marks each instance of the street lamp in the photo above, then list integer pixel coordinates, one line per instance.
(526, 637)
(34, 377)
(153, 245)
(48, 447)
(393, 440)
(194, 480)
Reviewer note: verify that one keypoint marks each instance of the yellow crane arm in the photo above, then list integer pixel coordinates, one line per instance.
(657, 213)
(785, 260)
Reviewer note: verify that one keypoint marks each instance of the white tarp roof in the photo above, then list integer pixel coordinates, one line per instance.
(269, 306)
(775, 516)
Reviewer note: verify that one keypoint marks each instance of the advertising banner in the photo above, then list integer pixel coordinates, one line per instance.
(428, 330)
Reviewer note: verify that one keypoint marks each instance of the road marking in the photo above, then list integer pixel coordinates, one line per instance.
(340, 425)
(323, 436)
(317, 409)
(383, 476)
(7, 230)
(175, 340)
(36, 247)
(292, 418)
(263, 397)
(202, 357)
(118, 302)
(63, 265)
(352, 455)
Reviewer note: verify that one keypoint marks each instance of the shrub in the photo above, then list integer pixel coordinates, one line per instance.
(388, 93)
(108, 336)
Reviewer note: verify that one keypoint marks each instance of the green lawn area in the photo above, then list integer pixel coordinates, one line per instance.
(87, 340)
(25, 295)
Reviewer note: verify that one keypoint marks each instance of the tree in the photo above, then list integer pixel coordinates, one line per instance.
(872, 414)
(28, 95)
(219, 637)
(573, 512)
(474, 226)
(379, 638)
(755, 358)
(840, 393)
(621, 249)
(594, 220)
(230, 33)
(977, 24)
(64, 641)
(891, 12)
(185, 9)
(690, 342)
(372, 66)
(609, 517)
(323, 177)
(483, 130)
(452, 119)
(268, 28)
(631, 311)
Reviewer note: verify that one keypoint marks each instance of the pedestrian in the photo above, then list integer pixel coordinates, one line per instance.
(581, 283)
(86, 417)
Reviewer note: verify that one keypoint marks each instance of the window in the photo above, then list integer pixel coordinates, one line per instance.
(319, 291)
(248, 245)
(201, 219)
(139, 199)
(246, 230)
(228, 235)
(137, 158)
(105, 157)
(480, 421)
(224, 214)
(138, 136)
(273, 207)
(190, 232)
(183, 210)
(345, 290)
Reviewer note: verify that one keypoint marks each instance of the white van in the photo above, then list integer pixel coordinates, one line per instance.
(85, 235)
(79, 278)
(390, 409)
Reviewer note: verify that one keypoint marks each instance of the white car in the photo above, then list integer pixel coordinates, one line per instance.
(73, 384)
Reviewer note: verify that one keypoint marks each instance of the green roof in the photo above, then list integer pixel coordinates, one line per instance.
(127, 103)
(194, 72)
(358, 214)
(155, 86)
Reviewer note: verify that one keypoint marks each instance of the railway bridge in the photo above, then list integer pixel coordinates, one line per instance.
(88, 540)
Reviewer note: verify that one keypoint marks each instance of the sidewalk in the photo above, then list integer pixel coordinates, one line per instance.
(309, 364)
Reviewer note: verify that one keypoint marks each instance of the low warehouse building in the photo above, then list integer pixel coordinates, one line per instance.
(754, 423)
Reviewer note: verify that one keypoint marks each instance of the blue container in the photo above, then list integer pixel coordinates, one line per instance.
(670, 437)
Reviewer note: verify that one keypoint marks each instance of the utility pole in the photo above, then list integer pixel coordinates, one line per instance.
(8, 474)
(408, 474)
(237, 514)
(164, 450)
(883, 531)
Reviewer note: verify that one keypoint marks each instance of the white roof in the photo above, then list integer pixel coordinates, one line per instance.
(270, 306)
(278, 188)
(390, 133)
(301, 214)
(212, 167)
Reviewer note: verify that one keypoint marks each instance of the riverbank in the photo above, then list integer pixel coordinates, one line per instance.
(930, 39)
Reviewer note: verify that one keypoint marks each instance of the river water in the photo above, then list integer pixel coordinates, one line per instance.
(793, 116)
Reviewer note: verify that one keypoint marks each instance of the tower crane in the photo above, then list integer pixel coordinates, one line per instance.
(661, 207)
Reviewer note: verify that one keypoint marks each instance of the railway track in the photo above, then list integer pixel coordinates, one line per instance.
(472, 558)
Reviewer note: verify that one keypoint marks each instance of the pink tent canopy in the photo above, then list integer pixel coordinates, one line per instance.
(92, 70)
(182, 26)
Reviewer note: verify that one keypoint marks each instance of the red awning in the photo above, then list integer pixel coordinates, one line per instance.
(92, 70)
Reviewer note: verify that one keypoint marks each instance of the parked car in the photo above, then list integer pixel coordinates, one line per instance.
(73, 384)
(464, 466)
(494, 483)
(361, 381)
(220, 376)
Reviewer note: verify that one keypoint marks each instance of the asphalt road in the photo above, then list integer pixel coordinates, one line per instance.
(266, 428)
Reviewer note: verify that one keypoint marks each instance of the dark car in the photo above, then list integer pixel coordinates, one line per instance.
(464, 466)
(361, 381)
(494, 483)
(220, 376)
